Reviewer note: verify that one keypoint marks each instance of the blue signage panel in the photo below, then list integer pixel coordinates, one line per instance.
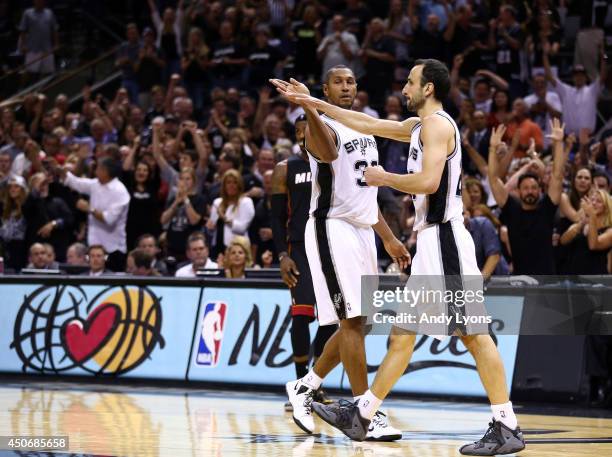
(243, 336)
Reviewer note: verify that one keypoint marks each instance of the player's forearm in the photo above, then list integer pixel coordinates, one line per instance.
(318, 138)
(414, 183)
(382, 228)
(490, 265)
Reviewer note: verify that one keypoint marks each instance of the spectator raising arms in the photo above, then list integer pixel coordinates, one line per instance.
(530, 220)
(107, 209)
(184, 215)
(590, 238)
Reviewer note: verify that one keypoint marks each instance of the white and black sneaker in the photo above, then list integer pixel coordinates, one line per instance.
(381, 430)
(300, 397)
(497, 440)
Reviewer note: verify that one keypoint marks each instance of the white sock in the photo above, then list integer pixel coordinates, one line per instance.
(312, 380)
(368, 405)
(356, 399)
(505, 414)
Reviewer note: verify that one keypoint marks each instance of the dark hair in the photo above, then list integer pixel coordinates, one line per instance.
(574, 196)
(141, 258)
(231, 157)
(96, 246)
(196, 236)
(601, 174)
(145, 236)
(483, 81)
(435, 72)
(494, 106)
(333, 69)
(193, 154)
(111, 165)
(300, 118)
(528, 175)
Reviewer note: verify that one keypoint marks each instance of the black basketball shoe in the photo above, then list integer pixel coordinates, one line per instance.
(497, 440)
(320, 396)
(344, 416)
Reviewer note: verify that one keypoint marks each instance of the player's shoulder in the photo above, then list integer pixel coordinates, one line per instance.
(437, 123)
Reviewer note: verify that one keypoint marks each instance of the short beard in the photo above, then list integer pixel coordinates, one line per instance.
(530, 200)
(415, 104)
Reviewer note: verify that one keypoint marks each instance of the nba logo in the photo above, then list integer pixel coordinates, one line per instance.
(213, 323)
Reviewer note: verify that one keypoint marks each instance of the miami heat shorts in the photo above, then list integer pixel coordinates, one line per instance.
(302, 295)
(339, 254)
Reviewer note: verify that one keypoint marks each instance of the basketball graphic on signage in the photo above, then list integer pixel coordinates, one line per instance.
(58, 329)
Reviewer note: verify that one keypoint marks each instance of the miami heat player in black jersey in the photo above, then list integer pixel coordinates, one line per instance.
(291, 192)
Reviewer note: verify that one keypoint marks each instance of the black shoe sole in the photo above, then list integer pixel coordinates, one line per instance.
(333, 425)
(299, 424)
(385, 439)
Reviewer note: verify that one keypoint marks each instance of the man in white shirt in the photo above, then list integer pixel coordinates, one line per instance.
(197, 252)
(543, 106)
(338, 48)
(107, 209)
(579, 102)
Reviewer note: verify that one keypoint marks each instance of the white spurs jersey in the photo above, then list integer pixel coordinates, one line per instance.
(444, 204)
(339, 190)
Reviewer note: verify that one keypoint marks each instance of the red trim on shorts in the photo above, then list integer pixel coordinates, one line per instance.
(303, 310)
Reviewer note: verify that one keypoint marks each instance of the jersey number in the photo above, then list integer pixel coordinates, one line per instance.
(360, 166)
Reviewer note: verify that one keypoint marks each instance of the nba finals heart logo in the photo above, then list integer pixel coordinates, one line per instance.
(59, 329)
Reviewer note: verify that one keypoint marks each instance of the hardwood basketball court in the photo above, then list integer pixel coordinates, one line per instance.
(115, 420)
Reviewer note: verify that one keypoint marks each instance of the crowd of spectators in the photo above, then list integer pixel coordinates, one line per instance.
(172, 172)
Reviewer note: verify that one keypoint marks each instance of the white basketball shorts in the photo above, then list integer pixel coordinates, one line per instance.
(339, 254)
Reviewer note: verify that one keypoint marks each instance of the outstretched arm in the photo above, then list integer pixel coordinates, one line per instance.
(435, 135)
(361, 122)
(555, 187)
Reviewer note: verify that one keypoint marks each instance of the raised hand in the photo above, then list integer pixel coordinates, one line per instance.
(556, 130)
(587, 207)
(496, 136)
(291, 87)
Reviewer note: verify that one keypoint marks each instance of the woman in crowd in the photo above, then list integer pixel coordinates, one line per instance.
(231, 213)
(589, 240)
(18, 214)
(184, 215)
(500, 108)
(476, 193)
(237, 257)
(580, 187)
(143, 214)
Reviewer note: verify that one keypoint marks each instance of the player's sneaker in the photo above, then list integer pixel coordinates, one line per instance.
(381, 430)
(344, 416)
(300, 397)
(320, 396)
(498, 439)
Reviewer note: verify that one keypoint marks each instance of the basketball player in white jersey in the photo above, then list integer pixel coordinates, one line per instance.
(340, 245)
(444, 246)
